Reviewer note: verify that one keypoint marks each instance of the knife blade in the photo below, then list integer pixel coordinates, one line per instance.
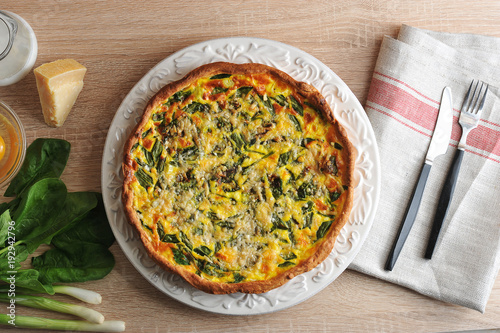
(438, 146)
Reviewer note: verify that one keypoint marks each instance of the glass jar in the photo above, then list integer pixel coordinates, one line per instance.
(18, 48)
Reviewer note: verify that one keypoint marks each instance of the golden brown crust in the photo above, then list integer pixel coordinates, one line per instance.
(323, 250)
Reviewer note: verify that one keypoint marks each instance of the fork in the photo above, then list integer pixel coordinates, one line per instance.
(469, 118)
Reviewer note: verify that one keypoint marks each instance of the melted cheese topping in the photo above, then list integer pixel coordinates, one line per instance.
(238, 178)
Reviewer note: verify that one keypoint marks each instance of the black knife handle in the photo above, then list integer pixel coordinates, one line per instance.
(410, 215)
(444, 202)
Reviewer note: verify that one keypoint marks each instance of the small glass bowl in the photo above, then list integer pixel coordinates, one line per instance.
(12, 132)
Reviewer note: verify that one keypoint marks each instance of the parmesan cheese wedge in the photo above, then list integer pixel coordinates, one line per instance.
(59, 83)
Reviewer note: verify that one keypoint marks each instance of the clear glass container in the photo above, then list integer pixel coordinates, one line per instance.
(14, 144)
(18, 48)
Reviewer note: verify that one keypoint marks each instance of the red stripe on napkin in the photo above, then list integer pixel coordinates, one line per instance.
(417, 112)
(400, 101)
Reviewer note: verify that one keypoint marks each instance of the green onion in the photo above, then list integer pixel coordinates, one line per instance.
(84, 295)
(44, 303)
(61, 325)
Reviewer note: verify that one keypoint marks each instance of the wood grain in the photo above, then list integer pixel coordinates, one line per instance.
(119, 41)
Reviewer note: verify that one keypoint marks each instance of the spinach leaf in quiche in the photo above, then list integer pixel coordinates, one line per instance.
(323, 229)
(202, 250)
(144, 179)
(286, 264)
(268, 105)
(308, 218)
(196, 107)
(218, 90)
(180, 257)
(276, 186)
(288, 256)
(284, 158)
(241, 92)
(281, 100)
(164, 237)
(226, 224)
(179, 96)
(158, 116)
(220, 76)
(305, 190)
(297, 106)
(156, 151)
(238, 277)
(148, 157)
(295, 122)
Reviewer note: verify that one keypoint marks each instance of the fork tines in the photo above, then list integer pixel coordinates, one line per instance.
(472, 104)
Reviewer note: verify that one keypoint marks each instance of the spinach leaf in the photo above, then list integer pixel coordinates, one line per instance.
(81, 252)
(157, 150)
(238, 277)
(5, 219)
(295, 122)
(203, 250)
(239, 140)
(180, 257)
(241, 92)
(189, 153)
(288, 256)
(166, 238)
(278, 223)
(323, 229)
(218, 90)
(39, 204)
(281, 100)
(308, 220)
(30, 279)
(76, 207)
(160, 166)
(268, 105)
(334, 196)
(296, 106)
(305, 190)
(307, 207)
(284, 158)
(276, 186)
(45, 158)
(91, 228)
(209, 268)
(158, 116)
(286, 264)
(77, 262)
(179, 96)
(220, 76)
(185, 240)
(226, 224)
(196, 107)
(144, 179)
(146, 133)
(148, 157)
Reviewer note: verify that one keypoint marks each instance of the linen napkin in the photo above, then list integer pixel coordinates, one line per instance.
(410, 75)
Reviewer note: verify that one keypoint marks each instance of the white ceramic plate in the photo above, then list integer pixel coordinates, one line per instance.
(347, 110)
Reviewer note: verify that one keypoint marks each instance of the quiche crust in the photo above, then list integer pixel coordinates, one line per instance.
(206, 282)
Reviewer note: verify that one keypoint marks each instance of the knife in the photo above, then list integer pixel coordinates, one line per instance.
(438, 146)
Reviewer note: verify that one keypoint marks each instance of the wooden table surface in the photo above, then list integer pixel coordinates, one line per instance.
(120, 41)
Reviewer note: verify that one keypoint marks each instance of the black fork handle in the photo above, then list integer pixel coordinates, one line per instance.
(444, 202)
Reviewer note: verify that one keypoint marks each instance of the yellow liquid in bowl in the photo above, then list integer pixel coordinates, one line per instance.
(9, 155)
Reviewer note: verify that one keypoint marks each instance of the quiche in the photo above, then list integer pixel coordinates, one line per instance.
(238, 178)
